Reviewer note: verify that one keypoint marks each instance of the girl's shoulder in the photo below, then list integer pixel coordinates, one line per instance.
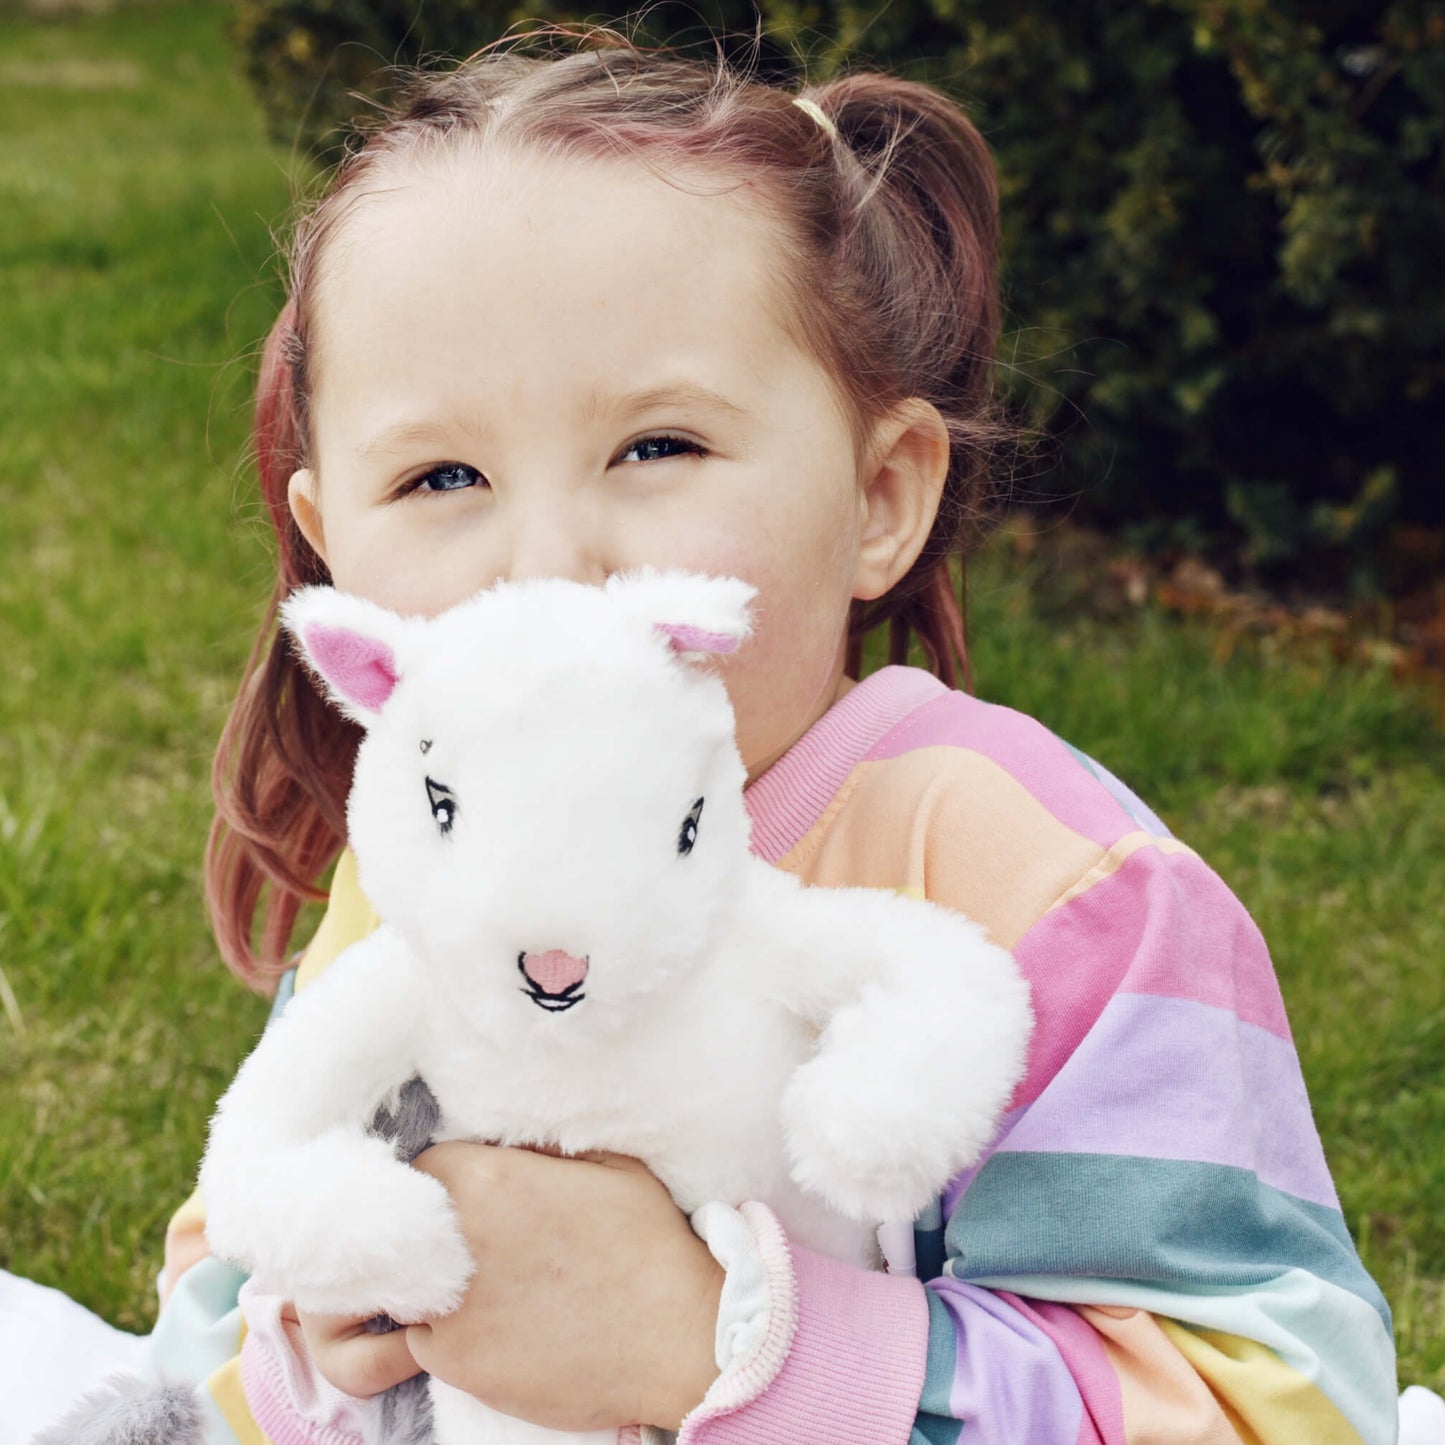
(912, 786)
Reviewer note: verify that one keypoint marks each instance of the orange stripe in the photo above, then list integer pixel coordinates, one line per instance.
(951, 825)
(1164, 1399)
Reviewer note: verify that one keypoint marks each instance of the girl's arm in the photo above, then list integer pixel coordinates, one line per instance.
(1152, 1250)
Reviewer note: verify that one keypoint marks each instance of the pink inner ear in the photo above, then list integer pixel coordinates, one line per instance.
(696, 639)
(361, 669)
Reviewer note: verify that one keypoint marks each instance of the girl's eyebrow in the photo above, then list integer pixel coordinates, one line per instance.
(403, 436)
(601, 406)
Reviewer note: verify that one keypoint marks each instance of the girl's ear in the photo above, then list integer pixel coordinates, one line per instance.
(699, 616)
(352, 645)
(899, 498)
(303, 497)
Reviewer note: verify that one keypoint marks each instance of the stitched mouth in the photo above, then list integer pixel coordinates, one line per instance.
(554, 1003)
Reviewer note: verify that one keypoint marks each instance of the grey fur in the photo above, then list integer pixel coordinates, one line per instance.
(128, 1410)
(410, 1123)
(406, 1416)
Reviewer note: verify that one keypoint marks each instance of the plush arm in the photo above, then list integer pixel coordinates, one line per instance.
(924, 1026)
(295, 1188)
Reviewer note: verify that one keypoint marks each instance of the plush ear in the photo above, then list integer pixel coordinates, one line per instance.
(352, 645)
(700, 616)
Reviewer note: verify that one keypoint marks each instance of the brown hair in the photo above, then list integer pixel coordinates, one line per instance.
(892, 209)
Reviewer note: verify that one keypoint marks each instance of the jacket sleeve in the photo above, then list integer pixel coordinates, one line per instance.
(1151, 1250)
(202, 1325)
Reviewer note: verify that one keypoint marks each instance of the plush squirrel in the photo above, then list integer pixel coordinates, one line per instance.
(578, 950)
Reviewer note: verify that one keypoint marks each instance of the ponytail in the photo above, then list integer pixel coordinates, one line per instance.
(919, 255)
(283, 766)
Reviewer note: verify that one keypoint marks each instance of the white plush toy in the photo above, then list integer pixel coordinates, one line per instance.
(579, 950)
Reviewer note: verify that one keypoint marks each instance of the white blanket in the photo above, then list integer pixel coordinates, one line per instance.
(51, 1351)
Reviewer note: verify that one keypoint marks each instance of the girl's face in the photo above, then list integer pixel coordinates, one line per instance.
(539, 367)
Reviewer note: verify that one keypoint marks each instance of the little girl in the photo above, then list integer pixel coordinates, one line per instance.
(567, 316)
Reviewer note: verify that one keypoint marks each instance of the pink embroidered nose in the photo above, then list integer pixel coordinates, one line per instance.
(554, 972)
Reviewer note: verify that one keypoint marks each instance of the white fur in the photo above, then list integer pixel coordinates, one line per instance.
(837, 1053)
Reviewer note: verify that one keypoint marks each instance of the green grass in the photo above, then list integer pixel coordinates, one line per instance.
(136, 196)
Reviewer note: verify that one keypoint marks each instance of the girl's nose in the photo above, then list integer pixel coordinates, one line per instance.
(553, 541)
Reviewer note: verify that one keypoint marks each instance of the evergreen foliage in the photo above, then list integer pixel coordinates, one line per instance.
(1225, 224)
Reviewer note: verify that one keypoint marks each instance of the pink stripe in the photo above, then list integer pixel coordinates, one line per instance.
(1163, 924)
(1195, 939)
(1026, 750)
(1132, 1089)
(1083, 1352)
(263, 1380)
(793, 794)
(854, 1373)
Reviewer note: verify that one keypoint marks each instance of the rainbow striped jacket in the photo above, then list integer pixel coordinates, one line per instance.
(1152, 1249)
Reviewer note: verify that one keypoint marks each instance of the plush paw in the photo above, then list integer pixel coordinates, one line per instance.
(340, 1226)
(860, 1142)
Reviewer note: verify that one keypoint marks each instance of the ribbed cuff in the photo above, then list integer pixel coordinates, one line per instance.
(290, 1402)
(842, 1358)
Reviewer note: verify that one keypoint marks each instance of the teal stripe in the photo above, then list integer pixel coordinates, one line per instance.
(928, 1247)
(285, 988)
(1119, 1217)
(935, 1425)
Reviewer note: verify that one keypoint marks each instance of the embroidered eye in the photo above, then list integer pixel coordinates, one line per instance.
(688, 836)
(443, 805)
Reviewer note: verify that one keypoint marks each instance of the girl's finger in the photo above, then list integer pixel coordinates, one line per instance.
(359, 1363)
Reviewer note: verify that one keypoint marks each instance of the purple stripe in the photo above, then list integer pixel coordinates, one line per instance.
(1124, 795)
(1009, 1381)
(1167, 1078)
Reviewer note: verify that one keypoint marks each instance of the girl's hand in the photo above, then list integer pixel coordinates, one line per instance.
(593, 1305)
(346, 1354)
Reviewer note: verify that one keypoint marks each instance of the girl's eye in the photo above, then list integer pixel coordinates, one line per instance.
(659, 448)
(448, 477)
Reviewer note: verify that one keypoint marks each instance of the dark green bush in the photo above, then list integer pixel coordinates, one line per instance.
(1226, 221)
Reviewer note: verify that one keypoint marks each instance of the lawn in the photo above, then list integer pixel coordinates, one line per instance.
(137, 196)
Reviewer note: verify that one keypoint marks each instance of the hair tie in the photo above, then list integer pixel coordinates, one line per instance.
(812, 108)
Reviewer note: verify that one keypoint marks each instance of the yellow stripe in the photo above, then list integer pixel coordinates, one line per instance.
(1114, 859)
(349, 917)
(1267, 1402)
(225, 1389)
